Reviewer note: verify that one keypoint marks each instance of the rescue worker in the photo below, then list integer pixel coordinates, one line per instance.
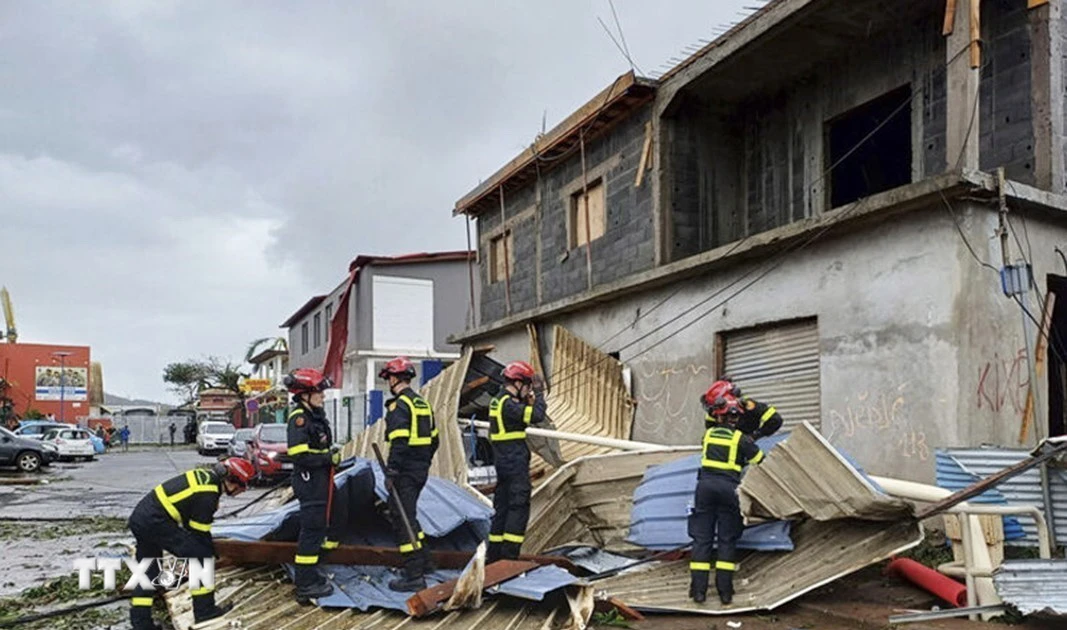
(514, 409)
(176, 517)
(412, 436)
(726, 451)
(313, 455)
(758, 420)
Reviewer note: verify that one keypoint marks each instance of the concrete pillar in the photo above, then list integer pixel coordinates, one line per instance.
(1046, 77)
(961, 142)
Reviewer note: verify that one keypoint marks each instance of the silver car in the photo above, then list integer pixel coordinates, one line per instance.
(239, 445)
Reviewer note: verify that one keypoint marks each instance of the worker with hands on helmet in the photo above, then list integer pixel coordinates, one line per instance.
(515, 408)
(314, 456)
(176, 517)
(412, 436)
(758, 420)
(724, 454)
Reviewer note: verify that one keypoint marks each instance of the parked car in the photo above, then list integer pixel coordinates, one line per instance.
(213, 437)
(71, 443)
(25, 454)
(265, 450)
(239, 444)
(35, 430)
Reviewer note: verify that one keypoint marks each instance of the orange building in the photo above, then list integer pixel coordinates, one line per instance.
(51, 379)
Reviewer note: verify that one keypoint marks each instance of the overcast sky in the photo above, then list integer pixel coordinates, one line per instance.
(176, 178)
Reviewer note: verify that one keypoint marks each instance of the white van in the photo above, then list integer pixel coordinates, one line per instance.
(214, 437)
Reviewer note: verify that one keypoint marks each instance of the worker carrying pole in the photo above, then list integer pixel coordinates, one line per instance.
(514, 409)
(314, 458)
(725, 453)
(176, 517)
(412, 436)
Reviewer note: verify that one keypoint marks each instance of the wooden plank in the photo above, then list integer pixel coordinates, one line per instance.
(1033, 4)
(976, 34)
(1039, 365)
(535, 353)
(950, 17)
(245, 553)
(643, 165)
(609, 604)
(1048, 452)
(431, 599)
(475, 384)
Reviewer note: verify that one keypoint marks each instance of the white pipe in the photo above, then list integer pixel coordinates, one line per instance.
(622, 445)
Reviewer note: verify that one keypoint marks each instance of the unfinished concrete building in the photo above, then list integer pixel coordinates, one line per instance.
(811, 204)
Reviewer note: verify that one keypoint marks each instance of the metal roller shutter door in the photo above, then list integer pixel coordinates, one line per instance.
(778, 365)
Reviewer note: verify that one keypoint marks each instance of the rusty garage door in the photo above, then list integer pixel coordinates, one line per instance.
(778, 365)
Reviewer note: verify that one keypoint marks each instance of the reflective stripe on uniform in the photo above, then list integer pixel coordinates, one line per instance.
(496, 538)
(409, 547)
(305, 448)
(295, 412)
(700, 566)
(419, 408)
(200, 592)
(330, 544)
(757, 459)
(422, 535)
(500, 433)
(198, 481)
(717, 437)
(527, 415)
(142, 601)
(200, 527)
(725, 566)
(514, 538)
(767, 415)
(306, 559)
(399, 433)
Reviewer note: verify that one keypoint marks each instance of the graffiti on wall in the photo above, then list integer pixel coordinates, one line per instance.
(1003, 383)
(883, 416)
(667, 397)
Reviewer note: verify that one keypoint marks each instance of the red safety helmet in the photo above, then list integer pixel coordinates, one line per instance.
(519, 371)
(305, 380)
(399, 367)
(724, 406)
(239, 470)
(721, 387)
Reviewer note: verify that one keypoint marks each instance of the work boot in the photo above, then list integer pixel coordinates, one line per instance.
(698, 587)
(318, 590)
(141, 619)
(428, 566)
(204, 608)
(726, 598)
(493, 553)
(408, 584)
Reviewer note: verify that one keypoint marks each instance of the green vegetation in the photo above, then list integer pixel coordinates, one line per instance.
(611, 618)
(52, 530)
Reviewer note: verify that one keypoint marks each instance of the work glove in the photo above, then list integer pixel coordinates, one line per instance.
(335, 454)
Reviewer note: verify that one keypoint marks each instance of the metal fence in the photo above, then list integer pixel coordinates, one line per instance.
(151, 429)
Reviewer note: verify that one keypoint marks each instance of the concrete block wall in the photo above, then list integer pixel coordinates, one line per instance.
(1061, 139)
(1006, 134)
(626, 248)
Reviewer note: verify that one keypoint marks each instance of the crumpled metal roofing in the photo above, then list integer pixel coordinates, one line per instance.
(951, 475)
(264, 602)
(1033, 586)
(588, 396)
(1023, 489)
(660, 517)
(845, 524)
(534, 585)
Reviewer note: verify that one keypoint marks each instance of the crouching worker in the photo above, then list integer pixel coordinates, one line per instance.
(726, 451)
(176, 517)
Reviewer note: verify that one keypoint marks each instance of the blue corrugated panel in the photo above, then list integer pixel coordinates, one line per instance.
(364, 588)
(952, 476)
(535, 584)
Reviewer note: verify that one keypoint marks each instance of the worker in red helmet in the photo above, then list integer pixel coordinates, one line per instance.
(412, 436)
(725, 453)
(176, 517)
(758, 420)
(313, 455)
(514, 409)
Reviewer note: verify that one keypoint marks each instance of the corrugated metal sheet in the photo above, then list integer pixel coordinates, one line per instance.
(592, 559)
(845, 524)
(1034, 586)
(1024, 489)
(263, 602)
(533, 586)
(588, 396)
(805, 476)
(367, 587)
(660, 518)
(952, 476)
(779, 365)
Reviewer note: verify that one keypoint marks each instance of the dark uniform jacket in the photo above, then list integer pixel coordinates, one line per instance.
(410, 430)
(759, 420)
(309, 439)
(726, 451)
(509, 416)
(190, 499)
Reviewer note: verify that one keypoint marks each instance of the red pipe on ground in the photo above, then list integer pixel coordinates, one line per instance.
(929, 580)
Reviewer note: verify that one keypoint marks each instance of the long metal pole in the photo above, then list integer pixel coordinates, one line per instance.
(622, 445)
(62, 385)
